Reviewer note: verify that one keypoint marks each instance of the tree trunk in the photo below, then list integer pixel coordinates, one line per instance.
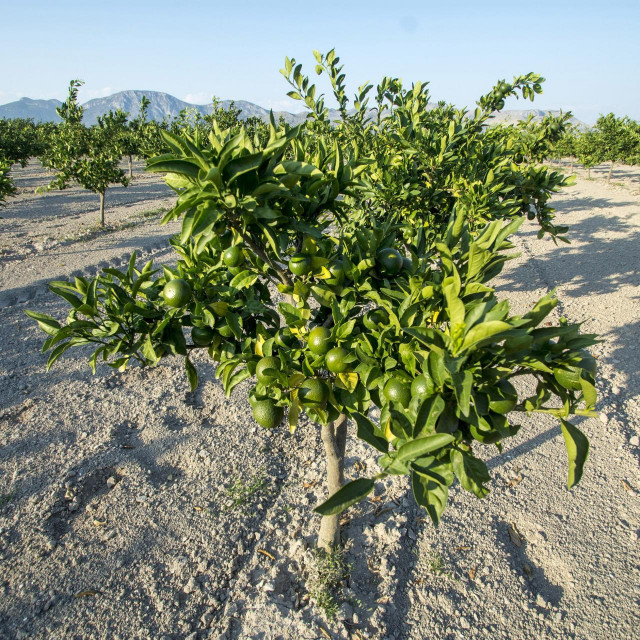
(130, 167)
(589, 173)
(610, 170)
(334, 437)
(101, 208)
(571, 166)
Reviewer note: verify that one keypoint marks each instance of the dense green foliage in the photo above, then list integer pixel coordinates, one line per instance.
(7, 188)
(613, 139)
(20, 139)
(383, 232)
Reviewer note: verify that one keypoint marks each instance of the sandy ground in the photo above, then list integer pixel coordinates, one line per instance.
(131, 508)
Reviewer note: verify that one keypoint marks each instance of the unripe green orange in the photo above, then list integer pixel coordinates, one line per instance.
(177, 292)
(319, 340)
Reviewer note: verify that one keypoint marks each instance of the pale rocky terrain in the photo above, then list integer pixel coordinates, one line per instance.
(132, 508)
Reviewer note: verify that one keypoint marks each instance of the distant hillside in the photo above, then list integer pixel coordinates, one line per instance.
(164, 105)
(509, 116)
(39, 110)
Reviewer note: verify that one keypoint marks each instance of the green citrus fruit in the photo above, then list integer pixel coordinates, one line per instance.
(233, 256)
(422, 386)
(504, 88)
(397, 391)
(500, 105)
(407, 264)
(319, 340)
(335, 360)
(300, 265)
(266, 413)
(268, 362)
(314, 391)
(336, 269)
(286, 339)
(202, 336)
(373, 319)
(176, 293)
(503, 397)
(389, 261)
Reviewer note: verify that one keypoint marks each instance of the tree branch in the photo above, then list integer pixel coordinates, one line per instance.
(282, 275)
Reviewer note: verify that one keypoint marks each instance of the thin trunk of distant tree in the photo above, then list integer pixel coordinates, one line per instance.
(130, 167)
(610, 170)
(589, 173)
(102, 194)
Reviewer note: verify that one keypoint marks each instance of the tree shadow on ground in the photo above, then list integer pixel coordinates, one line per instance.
(75, 203)
(515, 548)
(588, 203)
(117, 550)
(592, 265)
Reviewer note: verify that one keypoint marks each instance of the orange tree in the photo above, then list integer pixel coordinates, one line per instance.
(19, 141)
(274, 280)
(88, 156)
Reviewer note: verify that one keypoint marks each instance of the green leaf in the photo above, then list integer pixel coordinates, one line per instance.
(244, 164)
(344, 331)
(342, 499)
(471, 472)
(437, 370)
(244, 279)
(462, 383)
(485, 331)
(419, 447)
(57, 352)
(73, 300)
(234, 380)
(428, 415)
(368, 432)
(577, 451)
(45, 322)
(542, 309)
(192, 374)
(430, 494)
(298, 168)
(182, 167)
(588, 393)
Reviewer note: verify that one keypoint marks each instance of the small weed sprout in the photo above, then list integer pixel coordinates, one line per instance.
(329, 570)
(436, 563)
(241, 491)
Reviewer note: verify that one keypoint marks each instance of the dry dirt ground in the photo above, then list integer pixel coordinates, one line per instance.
(131, 508)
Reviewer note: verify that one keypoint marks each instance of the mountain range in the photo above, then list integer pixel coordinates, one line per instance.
(165, 105)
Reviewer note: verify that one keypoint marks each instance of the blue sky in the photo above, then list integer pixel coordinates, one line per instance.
(588, 51)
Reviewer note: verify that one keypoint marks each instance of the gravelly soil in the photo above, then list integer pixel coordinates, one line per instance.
(131, 508)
